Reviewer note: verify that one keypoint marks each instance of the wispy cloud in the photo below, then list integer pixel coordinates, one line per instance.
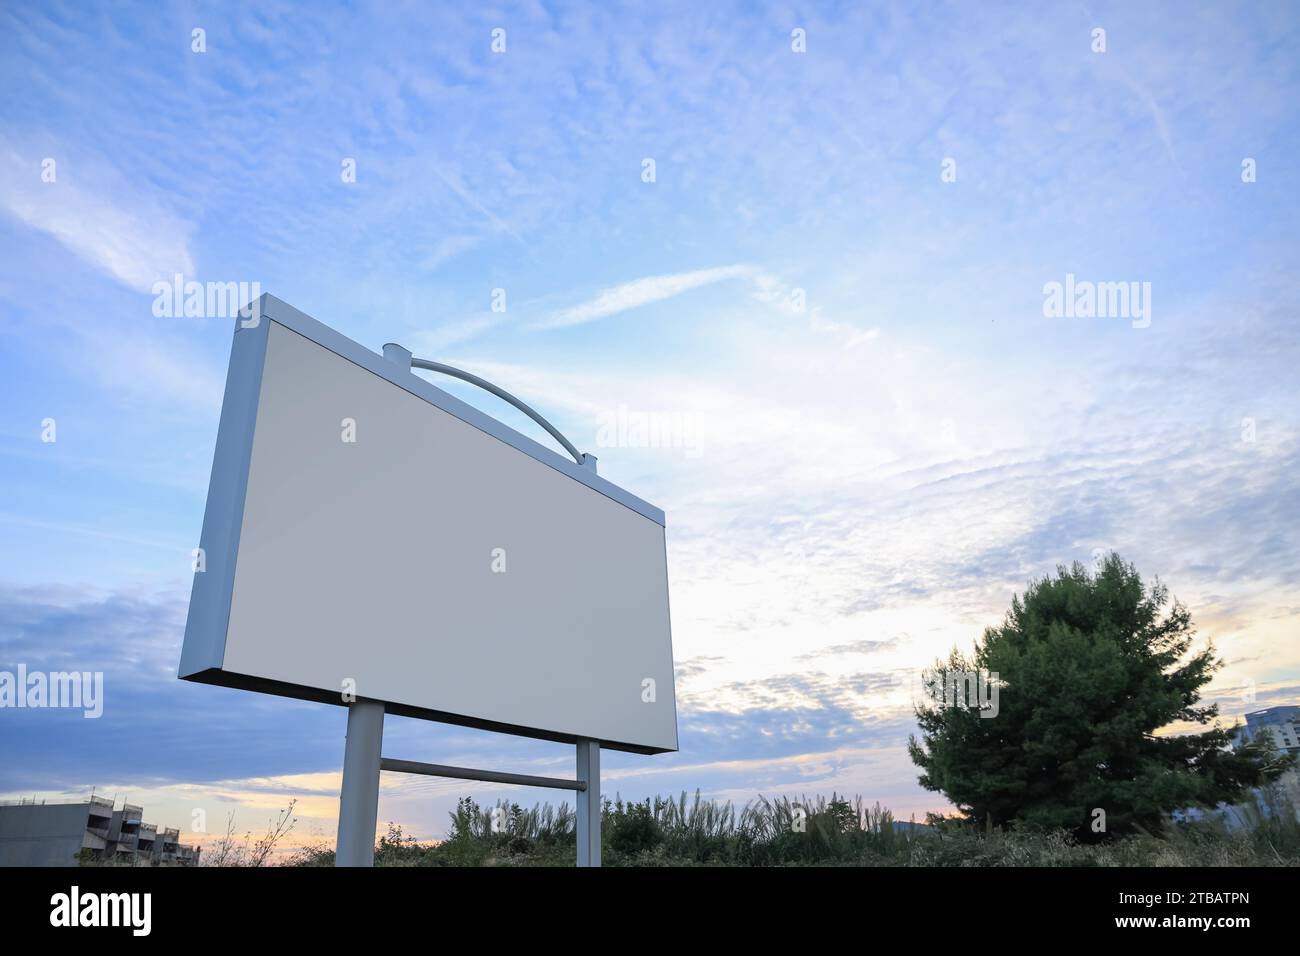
(639, 292)
(114, 227)
(431, 342)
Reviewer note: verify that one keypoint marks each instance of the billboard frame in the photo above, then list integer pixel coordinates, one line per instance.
(210, 603)
(208, 622)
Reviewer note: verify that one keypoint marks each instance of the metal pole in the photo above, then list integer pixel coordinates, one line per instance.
(359, 800)
(589, 774)
(589, 803)
(500, 393)
(395, 353)
(468, 773)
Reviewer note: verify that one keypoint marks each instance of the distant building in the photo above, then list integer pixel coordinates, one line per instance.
(63, 834)
(1281, 723)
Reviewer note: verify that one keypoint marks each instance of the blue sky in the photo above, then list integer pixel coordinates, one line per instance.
(867, 479)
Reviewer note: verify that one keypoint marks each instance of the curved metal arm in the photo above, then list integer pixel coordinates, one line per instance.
(502, 394)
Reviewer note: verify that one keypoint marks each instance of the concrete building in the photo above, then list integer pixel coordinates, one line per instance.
(66, 834)
(1282, 723)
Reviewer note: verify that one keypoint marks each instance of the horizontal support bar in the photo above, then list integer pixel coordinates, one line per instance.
(491, 776)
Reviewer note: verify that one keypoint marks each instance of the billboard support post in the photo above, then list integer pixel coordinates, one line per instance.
(359, 799)
(589, 773)
(589, 803)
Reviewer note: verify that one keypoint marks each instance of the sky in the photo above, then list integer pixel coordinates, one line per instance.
(812, 243)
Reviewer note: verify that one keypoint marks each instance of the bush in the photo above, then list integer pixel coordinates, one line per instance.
(632, 828)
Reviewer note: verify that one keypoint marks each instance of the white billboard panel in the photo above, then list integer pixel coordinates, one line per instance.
(367, 532)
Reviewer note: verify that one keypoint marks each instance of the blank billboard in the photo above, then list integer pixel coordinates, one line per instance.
(368, 533)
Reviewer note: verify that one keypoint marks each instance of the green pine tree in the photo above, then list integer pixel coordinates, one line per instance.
(1089, 667)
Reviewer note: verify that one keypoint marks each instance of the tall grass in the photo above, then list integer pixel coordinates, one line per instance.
(780, 831)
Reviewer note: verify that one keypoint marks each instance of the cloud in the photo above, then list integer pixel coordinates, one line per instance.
(430, 343)
(158, 368)
(154, 727)
(866, 646)
(639, 292)
(696, 666)
(116, 228)
(447, 248)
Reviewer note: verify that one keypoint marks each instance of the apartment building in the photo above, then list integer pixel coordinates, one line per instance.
(93, 831)
(1282, 723)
